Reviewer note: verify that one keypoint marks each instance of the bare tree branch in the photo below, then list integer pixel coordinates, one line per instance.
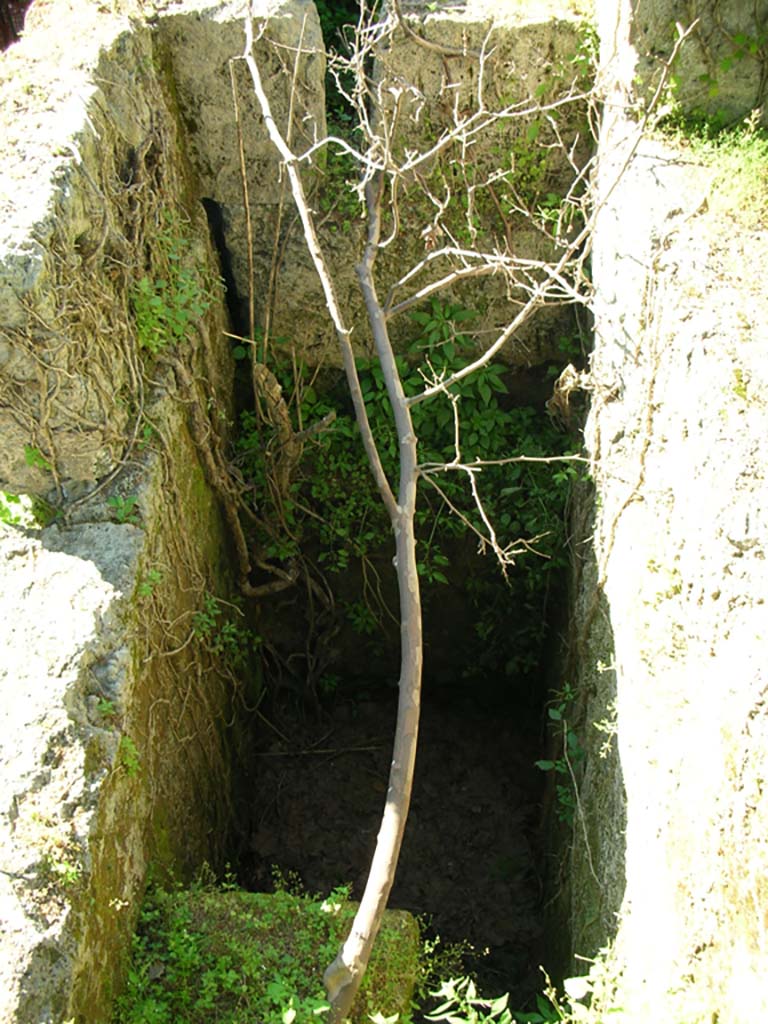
(315, 251)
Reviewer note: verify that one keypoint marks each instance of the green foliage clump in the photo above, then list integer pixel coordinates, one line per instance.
(224, 637)
(35, 458)
(128, 756)
(206, 954)
(22, 510)
(462, 1004)
(588, 999)
(738, 158)
(124, 508)
(166, 305)
(570, 755)
(335, 513)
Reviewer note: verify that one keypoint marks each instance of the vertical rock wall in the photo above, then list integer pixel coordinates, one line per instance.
(721, 72)
(676, 605)
(114, 752)
(199, 44)
(527, 49)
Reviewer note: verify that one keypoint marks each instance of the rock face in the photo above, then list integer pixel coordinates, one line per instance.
(720, 72)
(199, 47)
(670, 625)
(56, 305)
(65, 596)
(108, 756)
(213, 90)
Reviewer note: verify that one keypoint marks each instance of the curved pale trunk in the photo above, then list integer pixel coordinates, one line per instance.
(342, 978)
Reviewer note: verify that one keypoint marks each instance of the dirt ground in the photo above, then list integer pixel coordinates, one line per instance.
(468, 862)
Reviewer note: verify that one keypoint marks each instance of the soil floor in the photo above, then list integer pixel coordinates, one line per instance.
(469, 862)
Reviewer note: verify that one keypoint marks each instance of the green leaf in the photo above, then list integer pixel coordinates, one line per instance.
(545, 766)
(35, 458)
(545, 1006)
(464, 314)
(499, 1004)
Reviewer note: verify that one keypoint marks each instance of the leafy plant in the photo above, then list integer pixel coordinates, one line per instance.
(224, 638)
(334, 511)
(124, 508)
(546, 1012)
(591, 998)
(35, 458)
(462, 1005)
(148, 582)
(106, 708)
(59, 867)
(587, 999)
(235, 957)
(572, 753)
(128, 756)
(11, 509)
(23, 510)
(166, 306)
(738, 158)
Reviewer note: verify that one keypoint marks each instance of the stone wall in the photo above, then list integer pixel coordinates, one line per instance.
(721, 69)
(675, 610)
(114, 752)
(526, 49)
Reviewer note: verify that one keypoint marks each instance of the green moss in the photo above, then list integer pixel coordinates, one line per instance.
(231, 956)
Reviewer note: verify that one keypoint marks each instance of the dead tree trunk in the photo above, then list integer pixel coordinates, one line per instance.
(343, 976)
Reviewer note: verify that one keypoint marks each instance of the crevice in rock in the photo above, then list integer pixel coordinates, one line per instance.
(12, 14)
(237, 304)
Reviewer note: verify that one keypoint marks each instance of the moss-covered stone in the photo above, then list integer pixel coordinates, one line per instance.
(234, 956)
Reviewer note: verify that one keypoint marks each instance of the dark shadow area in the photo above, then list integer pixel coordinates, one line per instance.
(12, 13)
(237, 305)
(472, 862)
(469, 865)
